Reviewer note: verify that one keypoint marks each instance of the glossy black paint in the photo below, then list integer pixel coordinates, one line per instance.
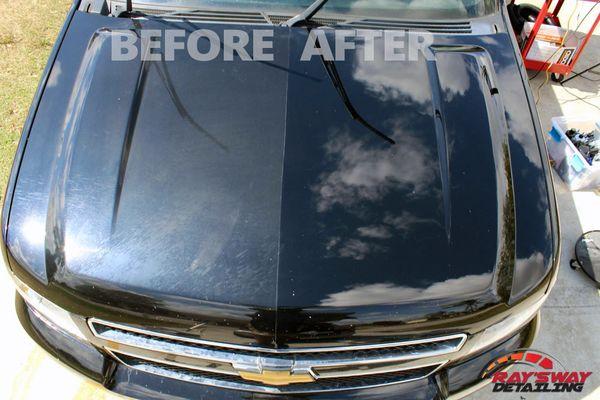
(242, 199)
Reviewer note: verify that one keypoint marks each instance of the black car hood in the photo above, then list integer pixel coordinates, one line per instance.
(214, 192)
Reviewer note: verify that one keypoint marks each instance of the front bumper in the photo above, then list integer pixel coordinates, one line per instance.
(452, 382)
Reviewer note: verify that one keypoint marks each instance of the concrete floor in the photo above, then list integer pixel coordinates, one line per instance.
(570, 318)
(570, 328)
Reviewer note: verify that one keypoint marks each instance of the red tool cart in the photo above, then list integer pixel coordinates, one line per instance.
(559, 70)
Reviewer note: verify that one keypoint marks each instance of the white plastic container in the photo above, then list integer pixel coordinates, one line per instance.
(572, 167)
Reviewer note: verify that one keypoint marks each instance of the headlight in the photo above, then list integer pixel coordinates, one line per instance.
(49, 312)
(505, 328)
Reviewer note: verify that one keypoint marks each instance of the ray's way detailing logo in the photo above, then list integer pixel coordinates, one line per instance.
(548, 377)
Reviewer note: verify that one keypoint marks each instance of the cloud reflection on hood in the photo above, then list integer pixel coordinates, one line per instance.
(388, 293)
(369, 239)
(407, 83)
(368, 173)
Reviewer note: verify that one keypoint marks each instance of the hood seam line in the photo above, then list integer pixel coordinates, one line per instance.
(283, 151)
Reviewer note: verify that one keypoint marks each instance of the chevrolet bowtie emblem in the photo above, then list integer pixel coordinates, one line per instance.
(277, 378)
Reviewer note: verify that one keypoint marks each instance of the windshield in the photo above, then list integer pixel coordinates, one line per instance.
(397, 9)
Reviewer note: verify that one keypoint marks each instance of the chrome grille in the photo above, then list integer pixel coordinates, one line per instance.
(325, 385)
(265, 370)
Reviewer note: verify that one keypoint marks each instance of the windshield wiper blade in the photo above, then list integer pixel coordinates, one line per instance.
(339, 86)
(337, 82)
(305, 15)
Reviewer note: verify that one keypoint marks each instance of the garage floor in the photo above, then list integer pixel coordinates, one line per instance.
(570, 329)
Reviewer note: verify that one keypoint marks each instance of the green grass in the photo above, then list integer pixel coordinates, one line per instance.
(28, 29)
